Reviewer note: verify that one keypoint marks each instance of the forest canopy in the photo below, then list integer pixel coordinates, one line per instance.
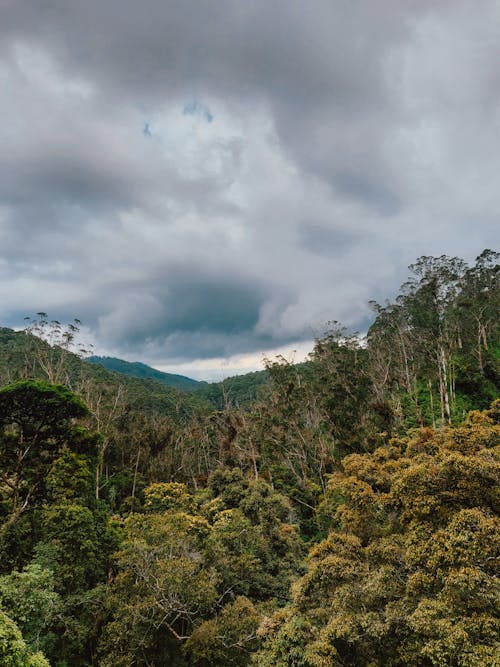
(342, 511)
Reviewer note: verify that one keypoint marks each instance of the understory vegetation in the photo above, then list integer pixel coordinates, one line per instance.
(338, 512)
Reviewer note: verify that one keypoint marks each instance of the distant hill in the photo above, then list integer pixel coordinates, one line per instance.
(145, 372)
(147, 389)
(238, 391)
(26, 356)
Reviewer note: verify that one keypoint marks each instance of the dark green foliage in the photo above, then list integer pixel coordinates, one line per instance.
(36, 426)
(52, 532)
(79, 544)
(192, 569)
(70, 479)
(39, 409)
(30, 599)
(236, 391)
(18, 538)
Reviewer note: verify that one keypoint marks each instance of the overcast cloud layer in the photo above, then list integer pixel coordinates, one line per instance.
(202, 180)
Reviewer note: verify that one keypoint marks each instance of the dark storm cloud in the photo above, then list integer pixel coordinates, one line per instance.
(233, 46)
(185, 306)
(198, 179)
(180, 311)
(221, 307)
(326, 240)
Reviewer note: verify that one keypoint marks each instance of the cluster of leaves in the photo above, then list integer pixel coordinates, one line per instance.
(13, 649)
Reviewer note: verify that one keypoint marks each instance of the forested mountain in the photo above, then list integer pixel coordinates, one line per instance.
(43, 354)
(139, 370)
(344, 513)
(236, 390)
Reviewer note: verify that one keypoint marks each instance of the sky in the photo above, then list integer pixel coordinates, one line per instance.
(204, 182)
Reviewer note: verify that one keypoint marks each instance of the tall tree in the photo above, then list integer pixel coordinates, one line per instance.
(36, 424)
(408, 573)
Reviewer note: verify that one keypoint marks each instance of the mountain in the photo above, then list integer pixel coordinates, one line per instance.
(238, 390)
(143, 371)
(24, 356)
(147, 389)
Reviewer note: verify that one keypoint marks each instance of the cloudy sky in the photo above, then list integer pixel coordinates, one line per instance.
(204, 181)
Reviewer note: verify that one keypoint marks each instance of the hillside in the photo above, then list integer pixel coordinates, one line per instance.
(143, 371)
(147, 388)
(23, 355)
(238, 390)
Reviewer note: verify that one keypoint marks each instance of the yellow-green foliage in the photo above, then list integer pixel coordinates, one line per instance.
(195, 571)
(227, 638)
(164, 496)
(13, 649)
(409, 572)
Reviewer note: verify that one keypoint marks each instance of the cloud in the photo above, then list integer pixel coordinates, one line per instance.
(207, 180)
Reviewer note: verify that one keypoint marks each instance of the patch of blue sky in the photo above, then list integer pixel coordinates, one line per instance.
(196, 108)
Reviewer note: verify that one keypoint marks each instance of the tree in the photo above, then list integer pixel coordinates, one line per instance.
(35, 426)
(408, 573)
(227, 639)
(30, 600)
(13, 649)
(434, 352)
(48, 347)
(165, 586)
(193, 570)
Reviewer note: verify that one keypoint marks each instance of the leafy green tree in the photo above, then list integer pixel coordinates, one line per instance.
(253, 543)
(80, 542)
(44, 457)
(434, 352)
(35, 426)
(478, 375)
(164, 587)
(13, 649)
(52, 520)
(193, 569)
(30, 600)
(164, 496)
(70, 479)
